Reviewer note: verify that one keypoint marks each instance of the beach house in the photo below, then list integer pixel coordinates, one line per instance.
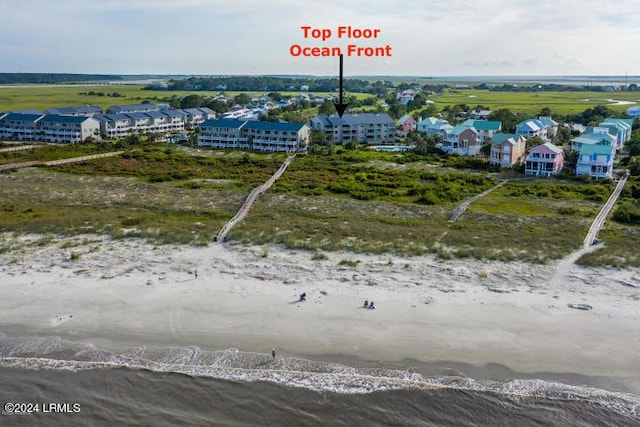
(254, 135)
(486, 128)
(462, 140)
(507, 150)
(544, 160)
(596, 160)
(406, 124)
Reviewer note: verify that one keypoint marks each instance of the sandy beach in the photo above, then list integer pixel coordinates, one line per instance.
(132, 293)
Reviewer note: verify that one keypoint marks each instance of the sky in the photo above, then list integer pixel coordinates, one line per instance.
(426, 37)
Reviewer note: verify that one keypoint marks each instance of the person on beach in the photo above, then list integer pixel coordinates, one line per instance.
(366, 304)
(195, 273)
(273, 353)
(303, 296)
(371, 306)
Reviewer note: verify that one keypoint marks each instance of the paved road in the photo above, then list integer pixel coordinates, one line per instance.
(602, 216)
(251, 199)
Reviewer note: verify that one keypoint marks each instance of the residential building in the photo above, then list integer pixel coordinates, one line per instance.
(550, 124)
(47, 128)
(134, 108)
(19, 126)
(532, 128)
(196, 116)
(462, 140)
(507, 150)
(596, 161)
(620, 128)
(114, 125)
(406, 124)
(367, 128)
(486, 128)
(434, 127)
(406, 96)
(67, 129)
(85, 111)
(633, 111)
(544, 160)
(254, 135)
(593, 136)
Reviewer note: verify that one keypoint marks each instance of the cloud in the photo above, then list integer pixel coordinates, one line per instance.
(252, 37)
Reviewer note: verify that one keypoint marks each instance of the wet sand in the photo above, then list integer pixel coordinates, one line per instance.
(465, 312)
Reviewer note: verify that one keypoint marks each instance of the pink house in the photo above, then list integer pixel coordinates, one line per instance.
(544, 160)
(406, 124)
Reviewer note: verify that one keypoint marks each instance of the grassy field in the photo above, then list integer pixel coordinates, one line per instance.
(41, 98)
(532, 102)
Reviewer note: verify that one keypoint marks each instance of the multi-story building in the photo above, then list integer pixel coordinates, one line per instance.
(367, 128)
(67, 129)
(84, 111)
(544, 160)
(507, 150)
(48, 128)
(596, 161)
(486, 128)
(254, 135)
(462, 140)
(19, 126)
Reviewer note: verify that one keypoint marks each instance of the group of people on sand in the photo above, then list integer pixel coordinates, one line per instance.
(367, 304)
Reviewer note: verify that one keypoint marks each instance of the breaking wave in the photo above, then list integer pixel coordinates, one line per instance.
(53, 353)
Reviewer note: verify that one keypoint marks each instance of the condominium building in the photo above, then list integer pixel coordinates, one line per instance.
(367, 128)
(47, 128)
(254, 135)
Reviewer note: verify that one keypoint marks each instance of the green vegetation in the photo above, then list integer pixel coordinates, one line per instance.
(356, 200)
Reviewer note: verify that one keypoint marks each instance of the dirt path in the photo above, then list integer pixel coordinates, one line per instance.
(464, 205)
(251, 199)
(19, 148)
(602, 216)
(80, 159)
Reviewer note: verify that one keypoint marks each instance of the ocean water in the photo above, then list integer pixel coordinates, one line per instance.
(81, 384)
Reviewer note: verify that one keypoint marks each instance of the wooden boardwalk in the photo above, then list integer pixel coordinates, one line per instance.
(598, 222)
(251, 199)
(462, 207)
(80, 159)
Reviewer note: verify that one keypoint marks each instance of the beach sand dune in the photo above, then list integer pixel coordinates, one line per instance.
(130, 293)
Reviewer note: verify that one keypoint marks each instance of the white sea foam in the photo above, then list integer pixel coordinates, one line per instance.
(233, 365)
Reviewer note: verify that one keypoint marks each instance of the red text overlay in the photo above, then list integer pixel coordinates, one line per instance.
(345, 33)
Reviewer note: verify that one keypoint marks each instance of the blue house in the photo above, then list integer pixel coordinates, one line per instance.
(596, 161)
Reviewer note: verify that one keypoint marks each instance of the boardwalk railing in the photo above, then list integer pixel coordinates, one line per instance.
(251, 199)
(464, 205)
(58, 162)
(604, 212)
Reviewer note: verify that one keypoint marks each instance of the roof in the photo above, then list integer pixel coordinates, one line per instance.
(483, 124)
(174, 113)
(132, 108)
(259, 125)
(461, 128)
(26, 111)
(56, 118)
(111, 117)
(405, 118)
(156, 114)
(594, 138)
(499, 138)
(87, 109)
(546, 148)
(355, 119)
(547, 121)
(224, 123)
(137, 115)
(597, 149)
(21, 117)
(531, 124)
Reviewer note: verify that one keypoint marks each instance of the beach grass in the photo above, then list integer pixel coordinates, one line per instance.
(359, 201)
